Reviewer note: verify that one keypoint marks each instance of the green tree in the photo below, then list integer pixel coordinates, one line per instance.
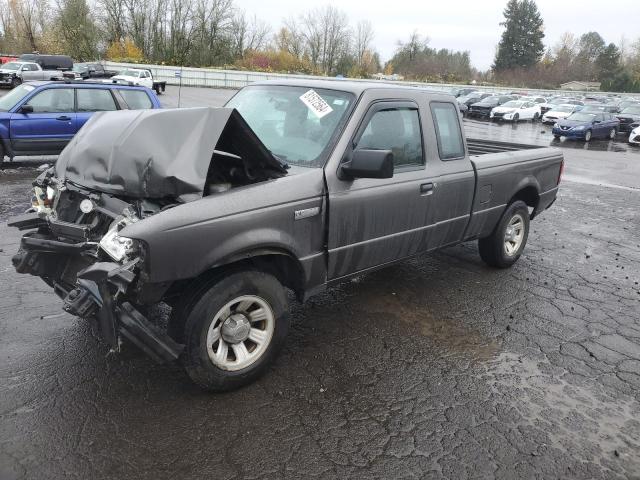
(521, 43)
(76, 29)
(608, 62)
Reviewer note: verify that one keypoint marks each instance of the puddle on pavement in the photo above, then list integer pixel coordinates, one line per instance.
(15, 191)
(446, 333)
(578, 414)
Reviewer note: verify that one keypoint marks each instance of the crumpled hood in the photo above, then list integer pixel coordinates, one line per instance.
(157, 154)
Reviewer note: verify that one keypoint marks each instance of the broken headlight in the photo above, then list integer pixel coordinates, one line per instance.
(115, 245)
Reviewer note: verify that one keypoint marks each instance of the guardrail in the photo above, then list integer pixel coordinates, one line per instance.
(216, 78)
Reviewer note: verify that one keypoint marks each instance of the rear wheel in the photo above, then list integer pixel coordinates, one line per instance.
(587, 136)
(612, 134)
(536, 116)
(504, 246)
(234, 330)
(516, 117)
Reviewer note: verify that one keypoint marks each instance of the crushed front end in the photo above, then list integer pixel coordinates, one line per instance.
(72, 242)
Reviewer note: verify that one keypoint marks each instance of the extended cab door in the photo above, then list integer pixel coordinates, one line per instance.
(376, 221)
(49, 127)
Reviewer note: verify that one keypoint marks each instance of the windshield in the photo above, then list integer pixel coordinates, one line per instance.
(634, 110)
(512, 104)
(489, 101)
(11, 66)
(14, 96)
(79, 67)
(299, 132)
(129, 73)
(581, 117)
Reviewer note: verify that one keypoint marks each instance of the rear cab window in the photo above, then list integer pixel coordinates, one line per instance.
(448, 132)
(136, 99)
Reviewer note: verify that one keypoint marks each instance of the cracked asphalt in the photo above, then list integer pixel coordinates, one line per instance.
(439, 367)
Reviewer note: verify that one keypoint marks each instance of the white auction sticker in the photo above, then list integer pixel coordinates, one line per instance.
(316, 103)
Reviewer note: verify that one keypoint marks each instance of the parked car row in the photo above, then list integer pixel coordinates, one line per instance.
(584, 117)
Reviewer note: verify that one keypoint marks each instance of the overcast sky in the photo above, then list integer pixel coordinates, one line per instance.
(463, 24)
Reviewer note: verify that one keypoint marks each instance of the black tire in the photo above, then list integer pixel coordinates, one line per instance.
(536, 117)
(516, 117)
(612, 134)
(202, 312)
(557, 137)
(493, 248)
(587, 136)
(15, 82)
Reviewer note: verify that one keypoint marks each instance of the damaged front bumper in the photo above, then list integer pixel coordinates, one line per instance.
(93, 285)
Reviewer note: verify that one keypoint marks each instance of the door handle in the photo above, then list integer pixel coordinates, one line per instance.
(426, 188)
(63, 118)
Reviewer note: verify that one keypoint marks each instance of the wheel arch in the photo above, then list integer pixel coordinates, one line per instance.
(528, 192)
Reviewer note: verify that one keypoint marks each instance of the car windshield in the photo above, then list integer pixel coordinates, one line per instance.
(635, 110)
(14, 96)
(129, 73)
(11, 66)
(489, 101)
(80, 67)
(581, 117)
(513, 104)
(297, 124)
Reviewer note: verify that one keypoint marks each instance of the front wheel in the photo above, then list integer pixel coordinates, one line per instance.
(234, 330)
(587, 136)
(504, 246)
(612, 134)
(516, 117)
(536, 116)
(15, 82)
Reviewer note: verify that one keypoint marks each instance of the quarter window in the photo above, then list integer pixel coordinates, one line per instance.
(136, 99)
(95, 100)
(53, 100)
(398, 130)
(448, 133)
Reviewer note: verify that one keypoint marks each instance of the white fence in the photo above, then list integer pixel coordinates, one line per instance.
(210, 77)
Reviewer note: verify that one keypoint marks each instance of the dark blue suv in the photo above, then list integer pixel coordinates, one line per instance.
(40, 118)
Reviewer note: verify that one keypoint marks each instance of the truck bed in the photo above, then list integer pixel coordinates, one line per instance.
(505, 168)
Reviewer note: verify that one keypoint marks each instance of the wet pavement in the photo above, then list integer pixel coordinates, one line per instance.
(435, 368)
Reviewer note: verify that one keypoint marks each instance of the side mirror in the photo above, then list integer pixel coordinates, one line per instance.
(366, 163)
(26, 109)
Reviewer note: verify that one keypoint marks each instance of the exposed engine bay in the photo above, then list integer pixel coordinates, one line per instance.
(103, 182)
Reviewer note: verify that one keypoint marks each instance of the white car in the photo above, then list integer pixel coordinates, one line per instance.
(558, 112)
(516, 110)
(634, 136)
(136, 76)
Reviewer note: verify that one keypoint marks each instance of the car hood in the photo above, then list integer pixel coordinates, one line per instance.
(2, 70)
(572, 123)
(552, 113)
(160, 154)
(504, 109)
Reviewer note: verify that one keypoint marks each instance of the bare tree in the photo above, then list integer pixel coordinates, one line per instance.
(248, 35)
(363, 39)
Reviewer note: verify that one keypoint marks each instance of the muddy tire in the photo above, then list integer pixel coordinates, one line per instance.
(234, 330)
(15, 82)
(504, 246)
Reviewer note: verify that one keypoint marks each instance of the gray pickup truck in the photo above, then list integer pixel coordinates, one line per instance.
(294, 185)
(14, 73)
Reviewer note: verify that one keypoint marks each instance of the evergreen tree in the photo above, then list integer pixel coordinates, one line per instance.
(521, 43)
(608, 62)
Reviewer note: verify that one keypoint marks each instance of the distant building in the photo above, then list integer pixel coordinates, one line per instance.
(581, 86)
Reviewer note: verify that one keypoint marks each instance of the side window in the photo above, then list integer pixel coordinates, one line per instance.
(136, 99)
(95, 100)
(32, 68)
(53, 100)
(448, 133)
(398, 130)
